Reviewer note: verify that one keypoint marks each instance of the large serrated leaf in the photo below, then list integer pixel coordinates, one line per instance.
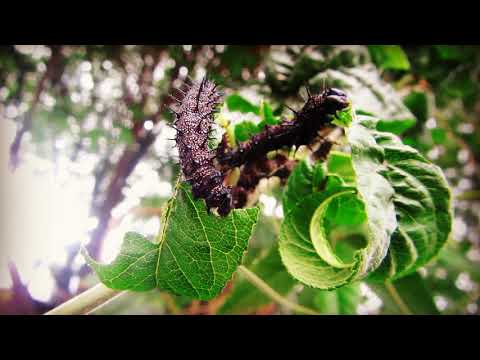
(396, 186)
(196, 255)
(422, 203)
(304, 180)
(305, 247)
(340, 163)
(133, 269)
(198, 251)
(350, 68)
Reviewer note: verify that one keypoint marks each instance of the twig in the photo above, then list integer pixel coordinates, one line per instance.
(87, 302)
(272, 294)
(98, 296)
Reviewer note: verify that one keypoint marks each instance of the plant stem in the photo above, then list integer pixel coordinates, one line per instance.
(397, 298)
(98, 296)
(87, 302)
(271, 293)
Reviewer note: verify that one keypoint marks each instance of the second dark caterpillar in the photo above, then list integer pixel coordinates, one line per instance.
(303, 129)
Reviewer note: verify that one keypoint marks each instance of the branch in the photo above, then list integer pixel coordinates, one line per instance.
(125, 166)
(87, 302)
(98, 296)
(272, 294)
(53, 62)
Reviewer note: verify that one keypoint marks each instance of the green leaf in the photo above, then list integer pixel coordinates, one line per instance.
(421, 199)
(390, 57)
(236, 102)
(369, 93)
(198, 251)
(343, 208)
(397, 126)
(340, 163)
(245, 298)
(245, 130)
(133, 269)
(305, 244)
(342, 301)
(344, 118)
(412, 292)
(395, 184)
(196, 255)
(417, 102)
(267, 114)
(304, 180)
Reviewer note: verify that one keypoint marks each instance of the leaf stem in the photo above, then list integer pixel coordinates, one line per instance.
(397, 299)
(87, 302)
(271, 293)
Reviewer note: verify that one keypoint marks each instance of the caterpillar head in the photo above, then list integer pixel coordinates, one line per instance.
(335, 100)
(323, 105)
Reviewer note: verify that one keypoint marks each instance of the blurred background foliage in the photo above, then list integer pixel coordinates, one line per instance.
(85, 143)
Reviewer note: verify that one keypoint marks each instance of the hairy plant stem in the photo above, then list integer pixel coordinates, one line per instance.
(397, 298)
(87, 302)
(272, 294)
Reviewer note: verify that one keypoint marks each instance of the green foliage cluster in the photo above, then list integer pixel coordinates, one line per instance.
(388, 215)
(376, 219)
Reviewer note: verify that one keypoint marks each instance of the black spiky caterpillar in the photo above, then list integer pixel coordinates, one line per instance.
(261, 168)
(303, 129)
(193, 123)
